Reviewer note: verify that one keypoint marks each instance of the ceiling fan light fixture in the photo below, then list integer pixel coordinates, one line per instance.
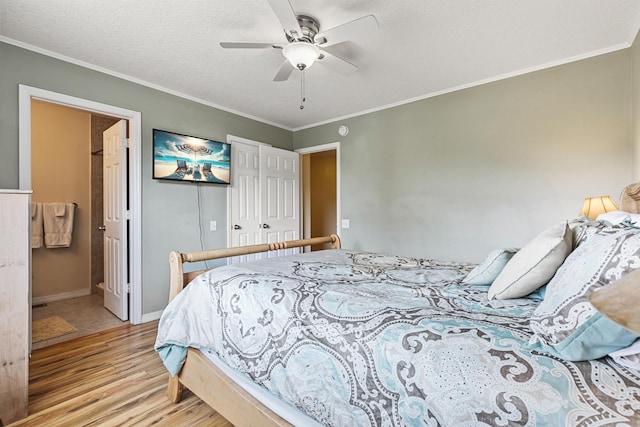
(301, 54)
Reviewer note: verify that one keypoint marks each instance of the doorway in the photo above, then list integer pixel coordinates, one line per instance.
(320, 191)
(67, 173)
(132, 175)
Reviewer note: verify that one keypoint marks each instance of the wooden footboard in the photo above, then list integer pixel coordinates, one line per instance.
(202, 377)
(217, 390)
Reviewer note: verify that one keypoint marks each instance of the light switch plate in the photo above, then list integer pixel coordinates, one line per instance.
(345, 223)
(213, 225)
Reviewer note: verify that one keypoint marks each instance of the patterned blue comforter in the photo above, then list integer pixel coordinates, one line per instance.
(359, 339)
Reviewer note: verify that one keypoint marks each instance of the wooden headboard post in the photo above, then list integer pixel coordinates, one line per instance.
(176, 274)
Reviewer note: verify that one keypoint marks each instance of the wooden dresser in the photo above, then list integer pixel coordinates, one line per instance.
(15, 310)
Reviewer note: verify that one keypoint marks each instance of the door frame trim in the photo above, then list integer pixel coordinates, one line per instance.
(318, 149)
(25, 95)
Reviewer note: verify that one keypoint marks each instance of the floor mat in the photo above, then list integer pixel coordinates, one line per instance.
(50, 327)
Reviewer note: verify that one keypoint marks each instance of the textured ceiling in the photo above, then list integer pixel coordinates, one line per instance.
(423, 47)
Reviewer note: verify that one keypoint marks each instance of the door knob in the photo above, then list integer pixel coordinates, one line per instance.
(102, 228)
(236, 227)
(265, 225)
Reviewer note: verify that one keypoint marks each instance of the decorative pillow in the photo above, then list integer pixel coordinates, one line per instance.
(534, 265)
(578, 224)
(585, 231)
(486, 273)
(619, 301)
(565, 324)
(620, 217)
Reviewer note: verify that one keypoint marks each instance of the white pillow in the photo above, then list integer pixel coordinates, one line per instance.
(629, 356)
(617, 217)
(486, 273)
(534, 265)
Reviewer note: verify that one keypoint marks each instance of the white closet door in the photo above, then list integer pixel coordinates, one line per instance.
(264, 197)
(245, 200)
(280, 196)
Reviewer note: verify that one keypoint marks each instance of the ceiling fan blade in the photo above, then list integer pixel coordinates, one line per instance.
(284, 72)
(337, 64)
(243, 45)
(359, 28)
(287, 17)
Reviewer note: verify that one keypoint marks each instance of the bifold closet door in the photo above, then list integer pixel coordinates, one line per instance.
(280, 196)
(264, 196)
(244, 215)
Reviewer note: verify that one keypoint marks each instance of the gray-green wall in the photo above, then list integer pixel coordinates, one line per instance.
(457, 175)
(169, 210)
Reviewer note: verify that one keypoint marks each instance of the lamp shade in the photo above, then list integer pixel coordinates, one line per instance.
(301, 54)
(594, 206)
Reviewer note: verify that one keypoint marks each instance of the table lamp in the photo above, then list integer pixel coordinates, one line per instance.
(594, 206)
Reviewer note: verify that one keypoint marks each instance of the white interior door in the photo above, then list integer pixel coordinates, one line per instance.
(279, 196)
(115, 209)
(245, 201)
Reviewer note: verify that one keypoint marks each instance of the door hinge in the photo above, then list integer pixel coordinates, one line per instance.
(128, 288)
(127, 215)
(126, 143)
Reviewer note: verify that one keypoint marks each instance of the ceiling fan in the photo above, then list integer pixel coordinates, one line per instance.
(306, 43)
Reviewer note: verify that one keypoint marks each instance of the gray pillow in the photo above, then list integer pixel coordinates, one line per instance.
(534, 265)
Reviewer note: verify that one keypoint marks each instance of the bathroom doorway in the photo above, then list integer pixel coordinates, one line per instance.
(88, 272)
(67, 171)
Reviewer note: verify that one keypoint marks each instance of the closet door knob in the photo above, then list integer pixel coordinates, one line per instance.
(236, 227)
(265, 225)
(102, 228)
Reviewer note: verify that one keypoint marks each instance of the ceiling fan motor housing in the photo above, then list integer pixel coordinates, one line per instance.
(309, 27)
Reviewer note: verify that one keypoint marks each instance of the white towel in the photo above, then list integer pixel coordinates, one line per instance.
(36, 225)
(58, 230)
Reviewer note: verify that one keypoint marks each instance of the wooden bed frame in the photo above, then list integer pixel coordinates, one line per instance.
(201, 376)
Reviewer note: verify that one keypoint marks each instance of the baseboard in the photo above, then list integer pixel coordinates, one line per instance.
(150, 317)
(58, 297)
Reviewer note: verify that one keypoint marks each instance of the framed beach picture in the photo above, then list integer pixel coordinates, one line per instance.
(178, 157)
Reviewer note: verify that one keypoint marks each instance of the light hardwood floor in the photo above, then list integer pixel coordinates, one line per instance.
(112, 378)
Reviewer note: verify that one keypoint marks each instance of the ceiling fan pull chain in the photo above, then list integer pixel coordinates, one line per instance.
(302, 91)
